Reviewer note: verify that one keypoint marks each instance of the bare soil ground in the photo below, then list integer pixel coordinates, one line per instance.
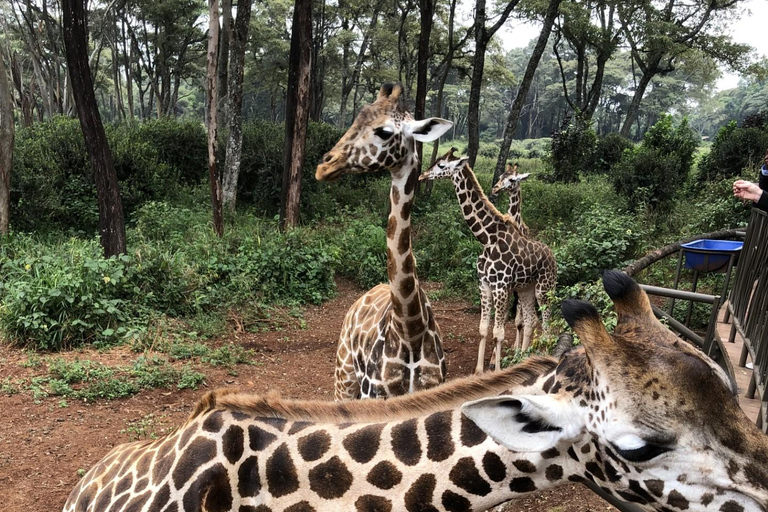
(45, 443)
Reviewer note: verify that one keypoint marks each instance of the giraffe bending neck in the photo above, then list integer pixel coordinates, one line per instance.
(483, 219)
(408, 318)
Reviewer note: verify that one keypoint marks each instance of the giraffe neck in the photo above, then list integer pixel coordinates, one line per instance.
(408, 318)
(515, 201)
(483, 219)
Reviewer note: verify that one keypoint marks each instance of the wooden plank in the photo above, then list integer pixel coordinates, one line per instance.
(750, 406)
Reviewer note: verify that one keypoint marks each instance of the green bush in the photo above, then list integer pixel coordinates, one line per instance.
(609, 151)
(601, 239)
(64, 295)
(572, 152)
(650, 175)
(734, 150)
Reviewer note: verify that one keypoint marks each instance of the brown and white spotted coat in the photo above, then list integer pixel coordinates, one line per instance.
(643, 415)
(508, 262)
(510, 181)
(390, 343)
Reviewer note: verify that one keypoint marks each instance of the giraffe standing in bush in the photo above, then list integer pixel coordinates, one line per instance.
(510, 181)
(645, 416)
(509, 261)
(390, 343)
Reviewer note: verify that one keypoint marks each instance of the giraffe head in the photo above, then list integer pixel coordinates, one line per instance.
(509, 180)
(646, 416)
(445, 166)
(382, 137)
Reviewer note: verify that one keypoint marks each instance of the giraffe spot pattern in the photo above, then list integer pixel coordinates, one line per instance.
(213, 422)
(420, 494)
(554, 472)
(524, 466)
(259, 439)
(655, 486)
(248, 479)
(248, 508)
(363, 445)
(281, 472)
(330, 479)
(233, 443)
(210, 491)
(313, 446)
(471, 434)
(731, 506)
(677, 500)
(453, 502)
(298, 427)
(405, 442)
(372, 503)
(494, 467)
(522, 484)
(138, 502)
(161, 498)
(384, 475)
(199, 452)
(466, 476)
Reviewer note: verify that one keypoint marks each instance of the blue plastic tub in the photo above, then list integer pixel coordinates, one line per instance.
(710, 255)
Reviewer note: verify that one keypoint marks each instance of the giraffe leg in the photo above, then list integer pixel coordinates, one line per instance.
(500, 303)
(542, 297)
(519, 322)
(346, 385)
(528, 307)
(485, 322)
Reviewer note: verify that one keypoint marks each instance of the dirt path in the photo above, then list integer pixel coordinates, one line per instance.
(44, 445)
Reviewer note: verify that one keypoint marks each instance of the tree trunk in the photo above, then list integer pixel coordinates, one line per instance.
(127, 64)
(634, 105)
(317, 88)
(214, 173)
(111, 225)
(225, 40)
(427, 10)
(6, 147)
(235, 109)
(296, 112)
(525, 86)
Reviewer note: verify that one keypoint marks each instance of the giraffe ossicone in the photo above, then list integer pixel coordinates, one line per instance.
(508, 262)
(644, 415)
(390, 343)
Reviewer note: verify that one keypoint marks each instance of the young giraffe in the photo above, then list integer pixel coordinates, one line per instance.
(643, 415)
(508, 261)
(510, 181)
(390, 343)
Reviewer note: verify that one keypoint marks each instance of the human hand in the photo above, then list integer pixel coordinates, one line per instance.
(746, 190)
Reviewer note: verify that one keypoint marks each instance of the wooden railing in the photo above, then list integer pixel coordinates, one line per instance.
(748, 305)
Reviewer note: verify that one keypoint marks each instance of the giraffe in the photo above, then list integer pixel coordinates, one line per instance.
(642, 414)
(390, 343)
(510, 181)
(509, 261)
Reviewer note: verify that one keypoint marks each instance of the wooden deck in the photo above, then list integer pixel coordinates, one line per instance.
(751, 406)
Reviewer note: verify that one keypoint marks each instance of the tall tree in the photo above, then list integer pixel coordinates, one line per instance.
(296, 112)
(111, 224)
(661, 32)
(426, 12)
(226, 36)
(6, 146)
(235, 100)
(525, 86)
(214, 172)
(483, 35)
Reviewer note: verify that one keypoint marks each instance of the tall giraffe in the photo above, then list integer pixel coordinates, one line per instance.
(510, 181)
(509, 261)
(640, 413)
(390, 343)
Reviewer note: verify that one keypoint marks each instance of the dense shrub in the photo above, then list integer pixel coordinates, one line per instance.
(608, 152)
(650, 175)
(734, 150)
(573, 148)
(362, 245)
(601, 239)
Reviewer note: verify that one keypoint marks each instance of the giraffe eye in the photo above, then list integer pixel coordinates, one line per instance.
(643, 453)
(441, 166)
(383, 133)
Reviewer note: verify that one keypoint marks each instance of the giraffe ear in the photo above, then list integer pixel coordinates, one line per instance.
(429, 129)
(526, 423)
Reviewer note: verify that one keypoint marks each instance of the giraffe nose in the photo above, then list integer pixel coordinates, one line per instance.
(328, 158)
